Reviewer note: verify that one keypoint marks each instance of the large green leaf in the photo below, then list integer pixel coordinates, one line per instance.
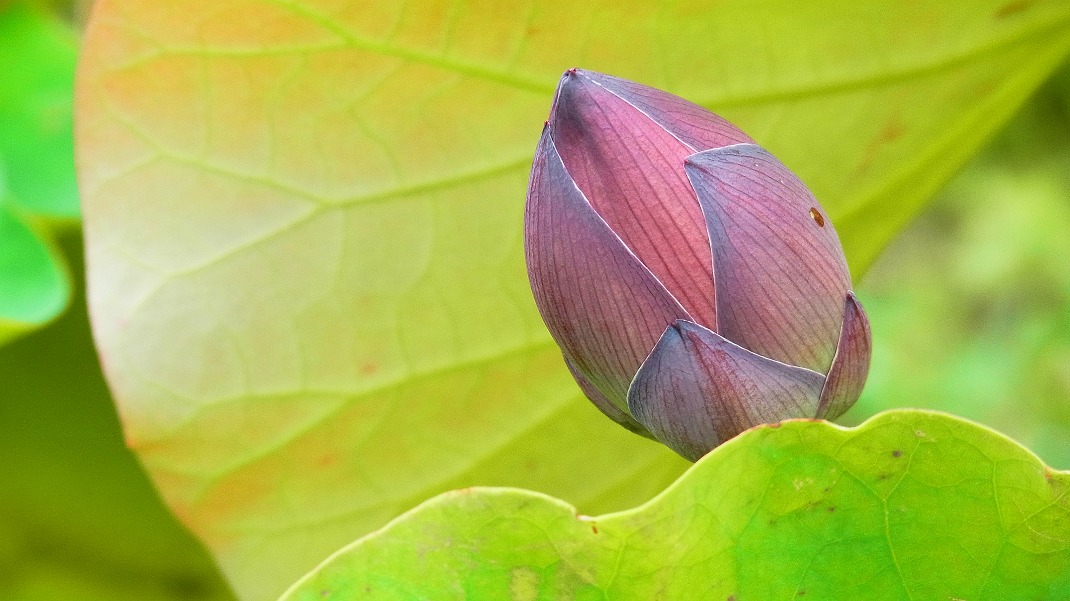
(37, 55)
(304, 226)
(910, 506)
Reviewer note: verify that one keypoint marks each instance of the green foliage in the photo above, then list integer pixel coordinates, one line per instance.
(971, 306)
(78, 517)
(33, 285)
(37, 56)
(909, 506)
(305, 237)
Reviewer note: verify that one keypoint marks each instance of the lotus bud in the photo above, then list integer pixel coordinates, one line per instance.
(694, 284)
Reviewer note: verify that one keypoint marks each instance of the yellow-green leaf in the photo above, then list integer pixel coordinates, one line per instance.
(910, 506)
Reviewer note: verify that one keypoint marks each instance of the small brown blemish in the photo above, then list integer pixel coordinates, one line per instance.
(731, 598)
(897, 453)
(882, 477)
(594, 528)
(369, 368)
(831, 508)
(1013, 8)
(817, 217)
(800, 593)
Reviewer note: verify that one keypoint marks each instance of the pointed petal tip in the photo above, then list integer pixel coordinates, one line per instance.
(850, 367)
(697, 390)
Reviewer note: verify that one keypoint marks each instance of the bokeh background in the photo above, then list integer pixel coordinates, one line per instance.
(970, 308)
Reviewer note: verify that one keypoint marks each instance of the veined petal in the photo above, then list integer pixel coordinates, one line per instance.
(697, 390)
(693, 125)
(780, 270)
(603, 404)
(602, 306)
(848, 373)
(630, 168)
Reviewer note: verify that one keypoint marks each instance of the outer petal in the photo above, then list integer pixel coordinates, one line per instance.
(631, 170)
(603, 308)
(693, 125)
(697, 390)
(781, 273)
(603, 404)
(849, 368)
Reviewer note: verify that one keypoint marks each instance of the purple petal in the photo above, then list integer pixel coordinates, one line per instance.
(631, 170)
(781, 273)
(688, 122)
(697, 390)
(603, 404)
(604, 309)
(848, 373)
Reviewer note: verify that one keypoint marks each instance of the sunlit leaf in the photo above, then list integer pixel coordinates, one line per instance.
(908, 506)
(304, 226)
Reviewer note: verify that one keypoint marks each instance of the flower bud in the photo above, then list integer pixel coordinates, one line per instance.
(694, 284)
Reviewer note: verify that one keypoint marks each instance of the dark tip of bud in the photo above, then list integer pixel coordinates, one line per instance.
(571, 71)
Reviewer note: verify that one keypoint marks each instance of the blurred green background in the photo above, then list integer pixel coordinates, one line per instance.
(970, 310)
(970, 306)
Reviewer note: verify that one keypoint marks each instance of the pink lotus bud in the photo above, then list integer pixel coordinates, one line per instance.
(695, 286)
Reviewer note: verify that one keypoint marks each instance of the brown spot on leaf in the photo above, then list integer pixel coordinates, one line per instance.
(831, 508)
(897, 453)
(594, 528)
(892, 131)
(1013, 8)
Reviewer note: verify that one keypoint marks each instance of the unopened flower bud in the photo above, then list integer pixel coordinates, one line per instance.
(694, 284)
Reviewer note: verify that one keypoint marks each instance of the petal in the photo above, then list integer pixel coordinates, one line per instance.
(697, 390)
(848, 373)
(604, 309)
(781, 273)
(631, 170)
(603, 404)
(693, 125)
